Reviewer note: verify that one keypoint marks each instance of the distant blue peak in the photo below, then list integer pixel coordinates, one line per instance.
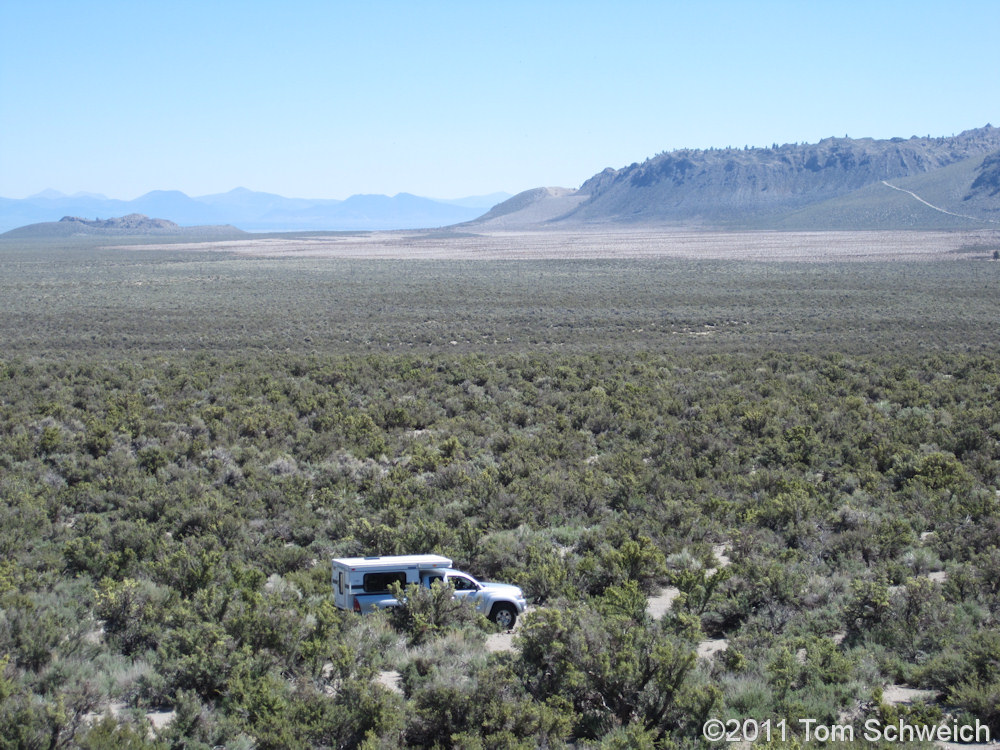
(47, 194)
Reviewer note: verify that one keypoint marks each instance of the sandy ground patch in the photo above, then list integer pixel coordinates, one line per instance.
(659, 604)
(498, 642)
(896, 695)
(720, 551)
(115, 708)
(708, 649)
(160, 719)
(612, 243)
(390, 679)
(157, 719)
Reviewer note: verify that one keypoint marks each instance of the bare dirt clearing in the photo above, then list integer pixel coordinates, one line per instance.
(896, 695)
(683, 244)
(659, 604)
(390, 680)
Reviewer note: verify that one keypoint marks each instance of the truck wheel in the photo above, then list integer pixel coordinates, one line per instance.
(504, 615)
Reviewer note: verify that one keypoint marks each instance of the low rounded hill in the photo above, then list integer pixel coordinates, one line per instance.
(132, 225)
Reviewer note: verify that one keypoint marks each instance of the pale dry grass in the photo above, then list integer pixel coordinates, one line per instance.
(617, 243)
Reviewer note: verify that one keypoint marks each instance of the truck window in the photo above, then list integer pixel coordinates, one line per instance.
(432, 579)
(379, 582)
(463, 584)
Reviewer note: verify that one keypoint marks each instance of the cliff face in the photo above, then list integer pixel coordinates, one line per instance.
(734, 185)
(987, 182)
(838, 183)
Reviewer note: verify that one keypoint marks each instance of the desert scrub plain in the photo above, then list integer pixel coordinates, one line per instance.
(187, 437)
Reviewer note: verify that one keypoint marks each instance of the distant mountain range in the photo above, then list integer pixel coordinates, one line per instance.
(838, 183)
(253, 211)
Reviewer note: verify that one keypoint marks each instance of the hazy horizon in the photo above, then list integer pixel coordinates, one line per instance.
(320, 100)
(50, 192)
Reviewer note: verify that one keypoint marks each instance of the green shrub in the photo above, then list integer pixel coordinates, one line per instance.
(425, 612)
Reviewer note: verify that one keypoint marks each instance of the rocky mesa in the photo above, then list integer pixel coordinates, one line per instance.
(838, 183)
(130, 225)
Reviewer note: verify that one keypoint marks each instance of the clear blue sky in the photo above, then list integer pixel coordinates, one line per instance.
(449, 99)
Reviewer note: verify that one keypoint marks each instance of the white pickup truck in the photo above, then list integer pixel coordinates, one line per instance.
(362, 584)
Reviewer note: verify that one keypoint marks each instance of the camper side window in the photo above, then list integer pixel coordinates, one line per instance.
(379, 582)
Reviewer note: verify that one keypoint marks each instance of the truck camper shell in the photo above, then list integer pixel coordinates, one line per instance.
(394, 561)
(362, 583)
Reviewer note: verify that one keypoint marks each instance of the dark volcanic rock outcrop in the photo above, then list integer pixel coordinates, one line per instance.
(987, 182)
(133, 223)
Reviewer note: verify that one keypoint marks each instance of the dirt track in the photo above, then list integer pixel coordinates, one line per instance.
(689, 245)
